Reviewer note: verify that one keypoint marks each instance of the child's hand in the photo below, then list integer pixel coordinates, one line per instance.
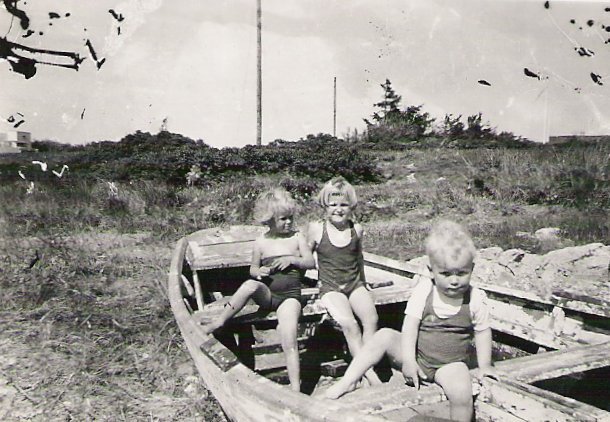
(412, 373)
(489, 371)
(264, 272)
(282, 262)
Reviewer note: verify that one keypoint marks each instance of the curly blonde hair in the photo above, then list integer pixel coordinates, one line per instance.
(272, 203)
(337, 186)
(449, 240)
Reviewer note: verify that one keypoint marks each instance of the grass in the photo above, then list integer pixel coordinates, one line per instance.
(83, 262)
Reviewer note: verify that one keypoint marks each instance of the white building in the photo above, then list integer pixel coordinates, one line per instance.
(15, 142)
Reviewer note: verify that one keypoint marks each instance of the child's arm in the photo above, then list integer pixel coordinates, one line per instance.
(314, 235)
(360, 233)
(256, 270)
(410, 332)
(482, 332)
(304, 261)
(482, 341)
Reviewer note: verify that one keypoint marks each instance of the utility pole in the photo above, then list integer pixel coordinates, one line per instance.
(259, 79)
(335, 107)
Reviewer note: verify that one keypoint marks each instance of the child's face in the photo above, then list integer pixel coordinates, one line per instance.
(338, 209)
(282, 223)
(452, 276)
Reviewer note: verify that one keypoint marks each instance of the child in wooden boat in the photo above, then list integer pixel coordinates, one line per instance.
(338, 243)
(279, 259)
(442, 316)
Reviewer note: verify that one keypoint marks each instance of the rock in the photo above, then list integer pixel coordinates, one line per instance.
(584, 268)
(548, 233)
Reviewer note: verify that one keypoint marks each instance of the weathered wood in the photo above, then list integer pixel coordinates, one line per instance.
(187, 304)
(557, 363)
(247, 396)
(390, 265)
(187, 285)
(276, 347)
(244, 395)
(198, 291)
(564, 299)
(539, 322)
(535, 404)
(335, 368)
(220, 248)
(581, 303)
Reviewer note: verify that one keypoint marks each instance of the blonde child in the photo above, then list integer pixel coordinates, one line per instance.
(442, 316)
(338, 243)
(279, 259)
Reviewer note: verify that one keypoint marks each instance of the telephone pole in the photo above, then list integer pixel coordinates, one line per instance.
(335, 107)
(259, 79)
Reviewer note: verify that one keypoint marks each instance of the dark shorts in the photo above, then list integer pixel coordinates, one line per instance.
(277, 299)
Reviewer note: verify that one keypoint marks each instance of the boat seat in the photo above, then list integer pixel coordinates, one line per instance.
(252, 315)
(384, 292)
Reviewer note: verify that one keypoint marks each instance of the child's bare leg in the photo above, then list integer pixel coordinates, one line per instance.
(249, 289)
(364, 307)
(288, 317)
(455, 380)
(384, 341)
(340, 310)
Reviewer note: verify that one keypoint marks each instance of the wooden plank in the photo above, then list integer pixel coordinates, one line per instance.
(188, 305)
(222, 247)
(187, 285)
(276, 347)
(391, 265)
(582, 303)
(535, 404)
(548, 326)
(390, 396)
(219, 354)
(563, 299)
(198, 291)
(557, 363)
(250, 314)
(489, 413)
(219, 256)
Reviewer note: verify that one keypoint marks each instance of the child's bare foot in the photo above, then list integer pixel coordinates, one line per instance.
(372, 378)
(210, 327)
(337, 390)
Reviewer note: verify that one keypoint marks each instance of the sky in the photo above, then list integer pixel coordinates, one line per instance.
(129, 64)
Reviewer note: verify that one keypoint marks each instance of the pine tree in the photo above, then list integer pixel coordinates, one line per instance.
(389, 106)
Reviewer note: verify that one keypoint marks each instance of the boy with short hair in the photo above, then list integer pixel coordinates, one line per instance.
(442, 316)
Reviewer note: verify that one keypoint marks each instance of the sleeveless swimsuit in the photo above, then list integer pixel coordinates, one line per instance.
(339, 268)
(284, 284)
(444, 340)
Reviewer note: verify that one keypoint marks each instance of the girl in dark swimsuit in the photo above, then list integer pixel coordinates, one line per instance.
(279, 260)
(343, 289)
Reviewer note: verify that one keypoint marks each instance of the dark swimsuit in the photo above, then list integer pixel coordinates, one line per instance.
(444, 340)
(284, 284)
(339, 268)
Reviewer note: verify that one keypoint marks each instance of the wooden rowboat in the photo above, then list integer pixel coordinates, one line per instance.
(550, 344)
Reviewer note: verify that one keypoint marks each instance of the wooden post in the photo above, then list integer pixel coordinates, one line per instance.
(259, 79)
(335, 107)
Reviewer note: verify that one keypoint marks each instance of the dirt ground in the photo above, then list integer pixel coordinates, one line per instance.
(118, 357)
